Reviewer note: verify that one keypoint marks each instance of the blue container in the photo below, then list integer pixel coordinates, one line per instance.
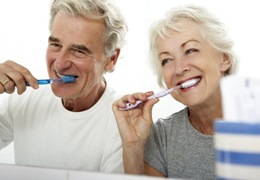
(237, 148)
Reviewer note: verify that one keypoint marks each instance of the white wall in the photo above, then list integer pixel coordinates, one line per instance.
(24, 33)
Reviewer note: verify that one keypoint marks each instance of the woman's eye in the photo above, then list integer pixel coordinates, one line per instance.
(166, 61)
(189, 51)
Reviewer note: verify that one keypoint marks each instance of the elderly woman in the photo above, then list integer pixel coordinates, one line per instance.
(189, 45)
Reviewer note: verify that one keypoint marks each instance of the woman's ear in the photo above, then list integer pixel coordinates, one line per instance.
(112, 61)
(226, 63)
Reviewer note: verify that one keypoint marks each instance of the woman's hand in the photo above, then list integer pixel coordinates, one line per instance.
(134, 124)
(134, 127)
(13, 75)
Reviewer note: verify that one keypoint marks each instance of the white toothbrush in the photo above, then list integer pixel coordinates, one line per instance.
(162, 93)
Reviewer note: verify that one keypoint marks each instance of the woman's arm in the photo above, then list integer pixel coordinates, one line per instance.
(151, 171)
(134, 126)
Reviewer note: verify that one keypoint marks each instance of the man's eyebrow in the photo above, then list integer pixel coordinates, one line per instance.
(82, 48)
(53, 39)
(76, 46)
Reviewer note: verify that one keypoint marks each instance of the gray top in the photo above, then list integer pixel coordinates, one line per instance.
(178, 150)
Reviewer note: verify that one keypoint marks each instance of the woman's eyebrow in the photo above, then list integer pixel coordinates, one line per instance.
(191, 40)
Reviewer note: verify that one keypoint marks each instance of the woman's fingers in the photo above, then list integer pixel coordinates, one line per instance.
(132, 98)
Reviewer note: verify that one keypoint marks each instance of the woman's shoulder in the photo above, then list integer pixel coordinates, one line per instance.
(164, 128)
(175, 117)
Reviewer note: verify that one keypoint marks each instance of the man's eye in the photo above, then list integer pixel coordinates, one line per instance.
(189, 51)
(54, 46)
(78, 53)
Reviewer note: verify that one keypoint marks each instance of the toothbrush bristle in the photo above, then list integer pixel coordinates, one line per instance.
(68, 79)
(189, 83)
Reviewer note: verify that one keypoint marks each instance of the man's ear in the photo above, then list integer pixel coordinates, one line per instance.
(112, 61)
(226, 63)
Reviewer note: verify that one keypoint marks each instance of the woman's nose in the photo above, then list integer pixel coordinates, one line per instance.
(181, 66)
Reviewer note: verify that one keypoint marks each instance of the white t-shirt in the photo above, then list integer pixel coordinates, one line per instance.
(46, 134)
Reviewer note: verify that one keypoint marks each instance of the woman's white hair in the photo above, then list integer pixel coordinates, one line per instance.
(212, 28)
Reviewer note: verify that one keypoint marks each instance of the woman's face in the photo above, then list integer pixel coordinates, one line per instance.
(188, 55)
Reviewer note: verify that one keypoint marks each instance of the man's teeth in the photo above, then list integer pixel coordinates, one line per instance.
(59, 75)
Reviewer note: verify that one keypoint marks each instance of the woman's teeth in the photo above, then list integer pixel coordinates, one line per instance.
(189, 83)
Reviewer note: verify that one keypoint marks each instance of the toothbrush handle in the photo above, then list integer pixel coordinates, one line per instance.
(64, 79)
(40, 81)
(130, 106)
(157, 95)
(44, 81)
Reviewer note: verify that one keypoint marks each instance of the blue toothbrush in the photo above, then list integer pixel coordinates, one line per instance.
(64, 79)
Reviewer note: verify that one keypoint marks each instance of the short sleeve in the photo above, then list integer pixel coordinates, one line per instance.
(155, 148)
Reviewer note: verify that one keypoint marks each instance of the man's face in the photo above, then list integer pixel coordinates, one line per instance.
(76, 48)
